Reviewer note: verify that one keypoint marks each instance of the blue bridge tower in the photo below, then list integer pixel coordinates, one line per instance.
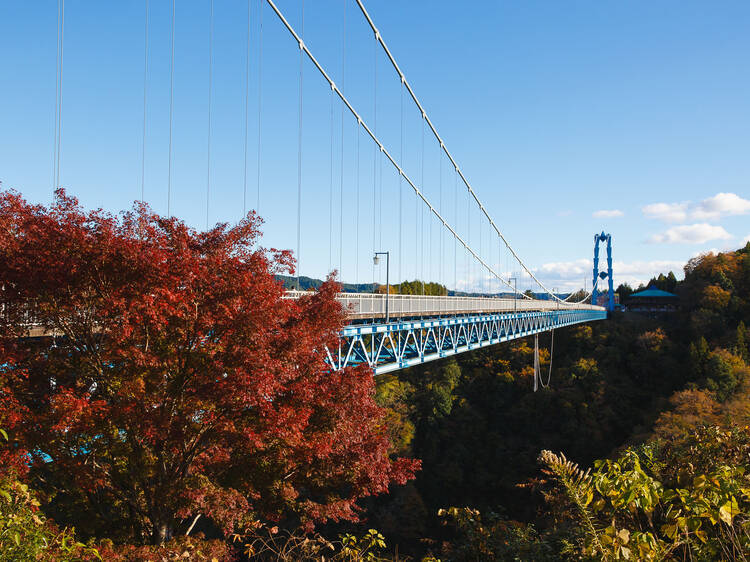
(603, 274)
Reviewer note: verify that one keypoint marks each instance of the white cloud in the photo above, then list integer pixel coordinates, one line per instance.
(713, 208)
(730, 247)
(571, 275)
(604, 214)
(667, 212)
(721, 204)
(707, 251)
(699, 233)
(484, 282)
(565, 269)
(637, 272)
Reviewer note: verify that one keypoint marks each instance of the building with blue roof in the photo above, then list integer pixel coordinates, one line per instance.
(652, 300)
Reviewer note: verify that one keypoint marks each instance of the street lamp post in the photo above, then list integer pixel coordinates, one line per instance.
(515, 294)
(376, 260)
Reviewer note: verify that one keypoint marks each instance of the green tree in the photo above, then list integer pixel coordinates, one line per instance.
(624, 290)
(720, 376)
(740, 342)
(26, 534)
(648, 505)
(671, 283)
(698, 353)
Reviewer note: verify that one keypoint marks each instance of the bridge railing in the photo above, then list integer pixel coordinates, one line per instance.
(25, 315)
(370, 305)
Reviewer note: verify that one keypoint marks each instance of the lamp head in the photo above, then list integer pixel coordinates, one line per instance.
(375, 259)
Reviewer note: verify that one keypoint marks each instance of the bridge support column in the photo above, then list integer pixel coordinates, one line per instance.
(604, 274)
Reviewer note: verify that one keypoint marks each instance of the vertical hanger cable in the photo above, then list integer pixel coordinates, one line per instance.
(422, 212)
(440, 207)
(57, 106)
(171, 116)
(61, 49)
(299, 149)
(374, 150)
(260, 99)
(400, 190)
(341, 179)
(210, 87)
(356, 272)
(330, 193)
(145, 82)
(247, 107)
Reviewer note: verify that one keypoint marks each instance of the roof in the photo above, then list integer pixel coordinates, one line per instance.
(654, 293)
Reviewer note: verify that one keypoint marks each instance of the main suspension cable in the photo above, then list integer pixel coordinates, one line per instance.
(408, 87)
(382, 148)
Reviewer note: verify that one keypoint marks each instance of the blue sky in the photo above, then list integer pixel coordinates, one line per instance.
(566, 117)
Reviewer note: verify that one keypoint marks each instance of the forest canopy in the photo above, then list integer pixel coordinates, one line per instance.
(162, 400)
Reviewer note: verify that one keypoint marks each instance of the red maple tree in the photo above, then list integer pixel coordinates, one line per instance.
(12, 455)
(170, 378)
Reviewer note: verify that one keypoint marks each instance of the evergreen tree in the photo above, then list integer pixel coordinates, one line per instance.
(740, 343)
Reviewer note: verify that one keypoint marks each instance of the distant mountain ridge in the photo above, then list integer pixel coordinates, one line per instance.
(310, 283)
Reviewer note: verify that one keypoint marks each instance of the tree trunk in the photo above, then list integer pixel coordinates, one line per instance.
(162, 533)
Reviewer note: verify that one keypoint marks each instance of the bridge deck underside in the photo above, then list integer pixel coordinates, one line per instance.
(397, 345)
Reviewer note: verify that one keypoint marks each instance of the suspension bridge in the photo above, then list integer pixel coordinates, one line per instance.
(367, 171)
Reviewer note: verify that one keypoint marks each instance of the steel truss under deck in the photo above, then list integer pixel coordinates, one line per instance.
(397, 345)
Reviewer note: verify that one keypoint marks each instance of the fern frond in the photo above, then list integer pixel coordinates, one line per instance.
(578, 486)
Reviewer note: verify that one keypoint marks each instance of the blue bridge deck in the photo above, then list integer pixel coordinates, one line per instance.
(430, 328)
